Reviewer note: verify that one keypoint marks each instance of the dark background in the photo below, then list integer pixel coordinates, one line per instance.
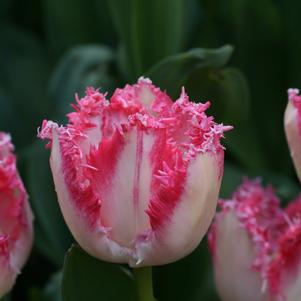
(243, 55)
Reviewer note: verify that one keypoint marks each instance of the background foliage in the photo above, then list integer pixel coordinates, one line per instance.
(241, 54)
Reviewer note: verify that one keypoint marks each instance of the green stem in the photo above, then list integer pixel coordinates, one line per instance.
(144, 283)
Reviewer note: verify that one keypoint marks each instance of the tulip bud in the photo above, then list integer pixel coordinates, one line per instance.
(256, 246)
(292, 125)
(16, 233)
(137, 177)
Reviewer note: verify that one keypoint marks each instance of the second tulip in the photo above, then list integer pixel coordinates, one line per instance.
(256, 246)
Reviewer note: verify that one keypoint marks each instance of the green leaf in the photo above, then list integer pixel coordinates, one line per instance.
(284, 186)
(23, 75)
(258, 31)
(232, 178)
(43, 243)
(235, 96)
(35, 294)
(234, 109)
(82, 66)
(53, 237)
(228, 92)
(187, 279)
(6, 113)
(172, 72)
(149, 31)
(73, 22)
(53, 290)
(87, 279)
(243, 143)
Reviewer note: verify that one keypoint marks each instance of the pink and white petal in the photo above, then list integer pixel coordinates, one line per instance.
(6, 146)
(284, 274)
(293, 135)
(190, 218)
(143, 96)
(8, 273)
(95, 240)
(234, 254)
(7, 279)
(22, 247)
(126, 198)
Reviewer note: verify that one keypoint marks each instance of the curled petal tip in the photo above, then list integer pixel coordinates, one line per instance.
(292, 93)
(144, 80)
(227, 128)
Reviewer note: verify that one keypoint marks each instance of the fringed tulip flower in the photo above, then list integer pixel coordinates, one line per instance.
(256, 246)
(137, 177)
(16, 233)
(292, 124)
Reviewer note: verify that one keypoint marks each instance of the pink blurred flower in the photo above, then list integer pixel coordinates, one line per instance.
(292, 125)
(138, 176)
(16, 233)
(256, 246)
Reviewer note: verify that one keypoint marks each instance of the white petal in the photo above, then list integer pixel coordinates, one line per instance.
(123, 207)
(96, 242)
(23, 245)
(7, 278)
(293, 135)
(234, 254)
(192, 216)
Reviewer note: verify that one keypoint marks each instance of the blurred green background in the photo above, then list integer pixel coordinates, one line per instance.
(240, 54)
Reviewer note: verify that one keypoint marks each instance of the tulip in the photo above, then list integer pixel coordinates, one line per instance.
(292, 125)
(16, 232)
(256, 246)
(137, 177)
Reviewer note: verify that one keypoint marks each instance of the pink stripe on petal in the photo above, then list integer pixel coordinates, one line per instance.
(95, 240)
(104, 159)
(4, 250)
(126, 199)
(285, 267)
(190, 217)
(79, 186)
(168, 180)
